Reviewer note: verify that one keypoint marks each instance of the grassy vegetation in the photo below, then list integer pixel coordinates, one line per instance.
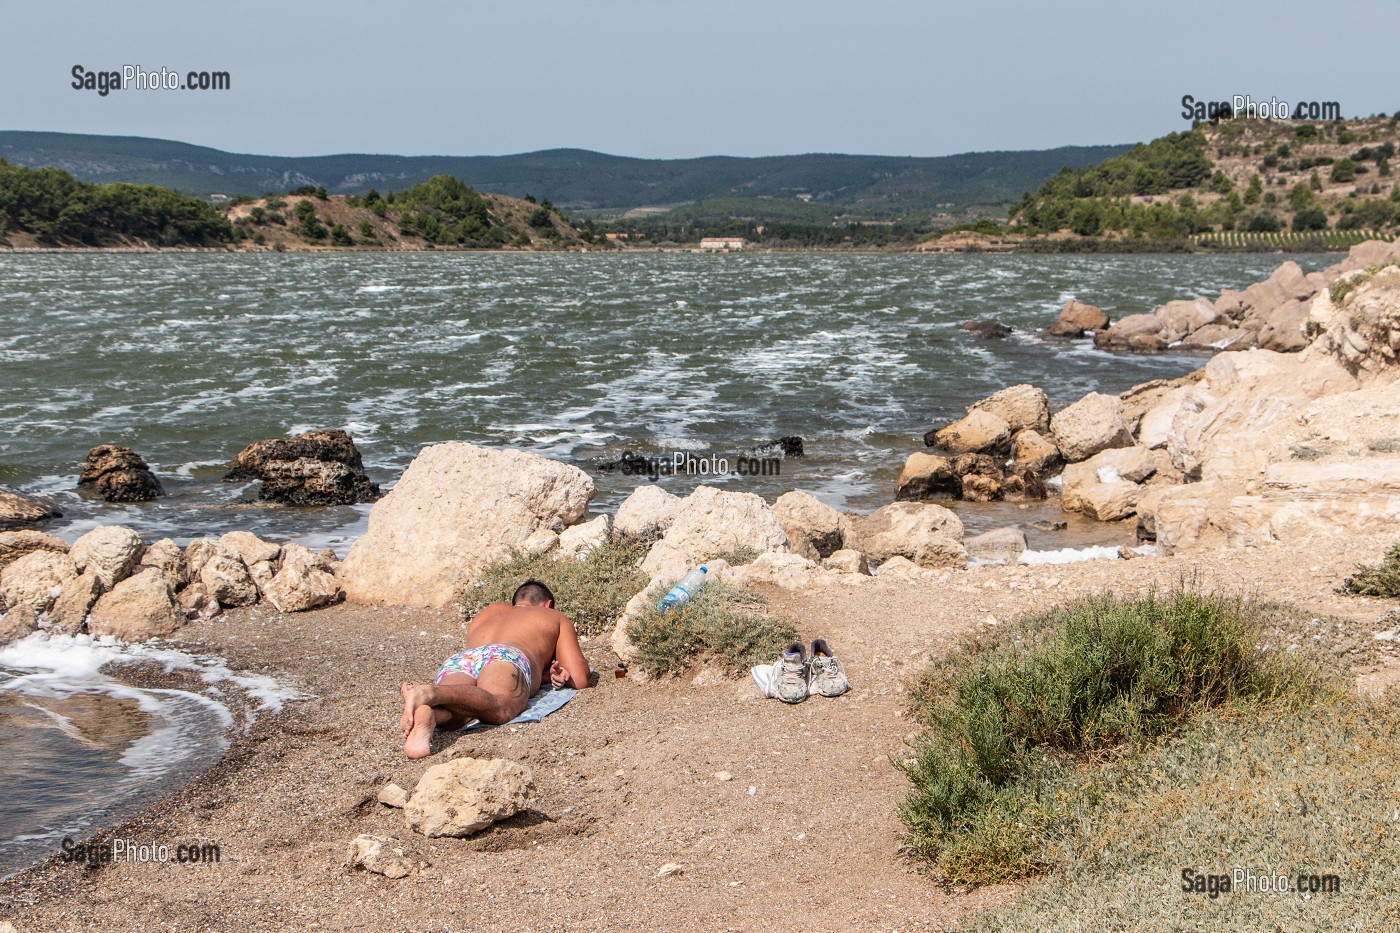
(1381, 579)
(1018, 725)
(592, 590)
(1314, 794)
(722, 624)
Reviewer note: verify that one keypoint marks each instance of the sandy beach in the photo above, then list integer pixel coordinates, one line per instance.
(772, 811)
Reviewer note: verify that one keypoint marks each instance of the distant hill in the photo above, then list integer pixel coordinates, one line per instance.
(579, 181)
(1238, 183)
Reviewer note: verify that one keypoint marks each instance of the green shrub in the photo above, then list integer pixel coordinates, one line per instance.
(721, 623)
(592, 590)
(340, 236)
(1381, 579)
(1009, 717)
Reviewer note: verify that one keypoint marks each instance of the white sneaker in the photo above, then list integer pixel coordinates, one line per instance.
(792, 671)
(826, 678)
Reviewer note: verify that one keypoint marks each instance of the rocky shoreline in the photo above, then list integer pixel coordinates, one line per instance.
(1274, 468)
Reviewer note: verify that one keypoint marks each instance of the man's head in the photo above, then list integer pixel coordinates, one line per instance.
(532, 593)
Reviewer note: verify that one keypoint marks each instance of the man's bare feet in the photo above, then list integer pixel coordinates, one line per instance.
(418, 742)
(414, 696)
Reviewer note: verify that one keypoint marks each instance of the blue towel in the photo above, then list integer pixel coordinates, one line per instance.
(541, 705)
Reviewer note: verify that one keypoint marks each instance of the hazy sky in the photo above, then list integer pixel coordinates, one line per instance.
(663, 78)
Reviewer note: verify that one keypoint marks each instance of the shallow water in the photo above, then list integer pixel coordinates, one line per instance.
(80, 744)
(187, 358)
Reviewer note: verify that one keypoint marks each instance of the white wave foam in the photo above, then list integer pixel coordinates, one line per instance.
(1071, 555)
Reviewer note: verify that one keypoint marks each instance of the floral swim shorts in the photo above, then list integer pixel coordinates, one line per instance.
(473, 660)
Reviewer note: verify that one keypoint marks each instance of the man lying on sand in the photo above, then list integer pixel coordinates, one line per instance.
(495, 676)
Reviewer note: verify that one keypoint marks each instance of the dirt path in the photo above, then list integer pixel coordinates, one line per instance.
(802, 835)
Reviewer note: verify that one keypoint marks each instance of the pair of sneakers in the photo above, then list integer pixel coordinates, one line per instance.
(798, 675)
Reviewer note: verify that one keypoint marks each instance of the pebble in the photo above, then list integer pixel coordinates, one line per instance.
(723, 776)
(670, 869)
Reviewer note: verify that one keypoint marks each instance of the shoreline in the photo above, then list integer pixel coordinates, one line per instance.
(625, 774)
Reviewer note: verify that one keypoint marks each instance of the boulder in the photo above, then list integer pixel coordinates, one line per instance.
(109, 550)
(1155, 428)
(226, 578)
(976, 432)
(710, 522)
(16, 544)
(1183, 318)
(1104, 501)
(1219, 337)
(927, 476)
(139, 607)
(1092, 424)
(70, 610)
(466, 795)
(16, 511)
(541, 542)
(927, 534)
(814, 529)
(980, 477)
(458, 509)
(646, 513)
(17, 623)
(1134, 332)
(1134, 464)
(250, 548)
(1075, 318)
(1284, 326)
(1032, 452)
(578, 540)
(315, 468)
(1023, 484)
(306, 580)
(988, 330)
(165, 556)
(36, 580)
(1000, 546)
(847, 560)
(195, 602)
(786, 570)
(1230, 303)
(1020, 406)
(1292, 282)
(380, 855)
(118, 474)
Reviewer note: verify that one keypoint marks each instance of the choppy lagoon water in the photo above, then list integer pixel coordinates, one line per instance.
(187, 358)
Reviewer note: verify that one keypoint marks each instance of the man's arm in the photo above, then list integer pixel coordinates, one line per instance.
(568, 658)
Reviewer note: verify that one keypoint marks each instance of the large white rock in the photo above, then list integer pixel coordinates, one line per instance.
(710, 522)
(578, 540)
(16, 544)
(1020, 406)
(226, 578)
(927, 534)
(466, 795)
(71, 608)
(979, 431)
(305, 581)
(36, 580)
(649, 510)
(1000, 545)
(814, 529)
(1092, 424)
(250, 548)
(457, 510)
(139, 607)
(110, 550)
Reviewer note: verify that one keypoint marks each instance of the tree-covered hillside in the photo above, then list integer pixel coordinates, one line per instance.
(55, 209)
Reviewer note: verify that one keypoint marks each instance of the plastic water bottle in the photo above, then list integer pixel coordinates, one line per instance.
(685, 588)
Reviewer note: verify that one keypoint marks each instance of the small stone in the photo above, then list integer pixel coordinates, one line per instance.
(392, 795)
(669, 870)
(466, 795)
(723, 776)
(379, 855)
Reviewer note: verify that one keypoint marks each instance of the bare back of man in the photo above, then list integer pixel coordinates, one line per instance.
(510, 649)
